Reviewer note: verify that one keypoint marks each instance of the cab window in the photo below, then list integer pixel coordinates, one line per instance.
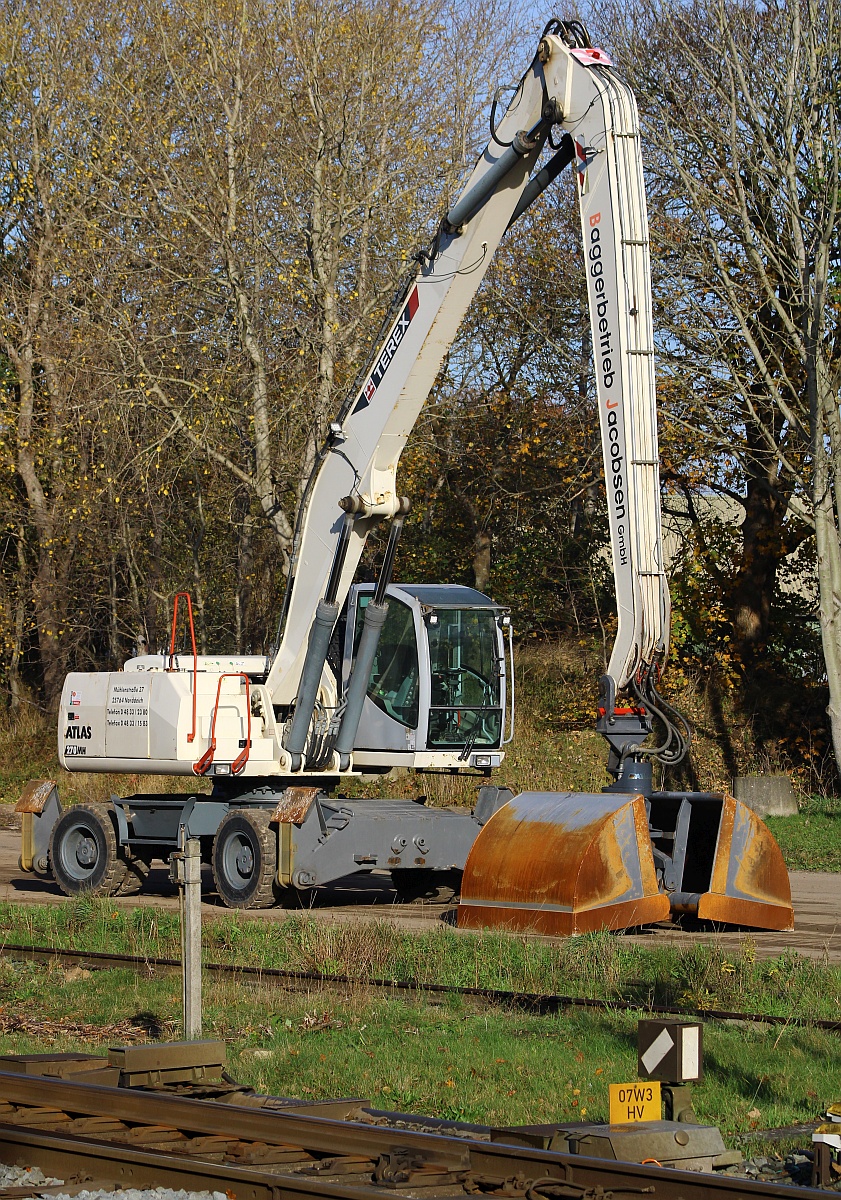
(393, 685)
(463, 656)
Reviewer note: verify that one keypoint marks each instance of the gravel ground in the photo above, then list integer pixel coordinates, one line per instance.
(35, 1178)
(23, 1176)
(795, 1167)
(160, 1193)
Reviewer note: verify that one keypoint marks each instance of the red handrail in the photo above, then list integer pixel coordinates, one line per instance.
(203, 765)
(191, 737)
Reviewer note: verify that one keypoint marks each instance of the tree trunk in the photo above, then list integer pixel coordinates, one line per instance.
(15, 682)
(482, 560)
(245, 580)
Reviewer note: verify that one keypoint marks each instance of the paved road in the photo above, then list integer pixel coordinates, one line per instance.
(817, 907)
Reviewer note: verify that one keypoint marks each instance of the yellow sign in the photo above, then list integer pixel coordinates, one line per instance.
(635, 1102)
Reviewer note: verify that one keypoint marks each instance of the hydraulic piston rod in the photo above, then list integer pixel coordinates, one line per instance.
(376, 612)
(326, 615)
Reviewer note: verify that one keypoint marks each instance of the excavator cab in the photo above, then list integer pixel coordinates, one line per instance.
(439, 681)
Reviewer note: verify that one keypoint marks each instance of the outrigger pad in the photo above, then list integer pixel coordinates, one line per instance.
(561, 863)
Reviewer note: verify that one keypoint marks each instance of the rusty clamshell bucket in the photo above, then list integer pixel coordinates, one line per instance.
(720, 862)
(561, 863)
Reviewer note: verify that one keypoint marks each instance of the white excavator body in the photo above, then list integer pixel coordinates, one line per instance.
(365, 679)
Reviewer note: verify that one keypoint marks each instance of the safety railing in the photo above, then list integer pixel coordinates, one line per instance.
(191, 737)
(204, 763)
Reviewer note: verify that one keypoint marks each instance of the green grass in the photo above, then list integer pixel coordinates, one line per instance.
(811, 841)
(451, 1059)
(598, 965)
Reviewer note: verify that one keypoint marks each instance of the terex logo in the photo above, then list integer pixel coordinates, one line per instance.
(388, 352)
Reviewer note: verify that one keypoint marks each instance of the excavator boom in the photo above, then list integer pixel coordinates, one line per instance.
(567, 863)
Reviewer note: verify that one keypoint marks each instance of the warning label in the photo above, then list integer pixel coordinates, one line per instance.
(635, 1102)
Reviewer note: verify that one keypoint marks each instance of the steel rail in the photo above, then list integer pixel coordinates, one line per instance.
(539, 1002)
(99, 1163)
(435, 1166)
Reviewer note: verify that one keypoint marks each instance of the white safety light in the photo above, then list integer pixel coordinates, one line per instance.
(484, 761)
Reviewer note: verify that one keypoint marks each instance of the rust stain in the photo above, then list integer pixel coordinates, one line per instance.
(750, 884)
(718, 882)
(562, 863)
(643, 911)
(733, 911)
(648, 871)
(35, 795)
(761, 872)
(294, 804)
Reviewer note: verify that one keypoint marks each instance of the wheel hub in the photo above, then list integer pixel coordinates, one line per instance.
(245, 860)
(86, 852)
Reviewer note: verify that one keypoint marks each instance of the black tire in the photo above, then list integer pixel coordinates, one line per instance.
(83, 852)
(245, 859)
(422, 883)
(137, 872)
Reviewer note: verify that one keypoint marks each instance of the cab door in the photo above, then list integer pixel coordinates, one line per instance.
(398, 690)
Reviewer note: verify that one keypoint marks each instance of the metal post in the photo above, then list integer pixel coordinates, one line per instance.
(185, 870)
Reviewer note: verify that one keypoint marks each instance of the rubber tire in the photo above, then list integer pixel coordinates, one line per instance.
(137, 872)
(422, 883)
(245, 836)
(92, 824)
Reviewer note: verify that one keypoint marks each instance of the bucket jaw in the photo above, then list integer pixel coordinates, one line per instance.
(561, 863)
(719, 861)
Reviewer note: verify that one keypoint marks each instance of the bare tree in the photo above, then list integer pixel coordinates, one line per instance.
(739, 105)
(272, 171)
(50, 394)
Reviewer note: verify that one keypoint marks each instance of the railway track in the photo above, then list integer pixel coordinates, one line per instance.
(533, 1001)
(100, 1136)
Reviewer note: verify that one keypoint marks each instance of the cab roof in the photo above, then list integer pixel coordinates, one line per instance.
(442, 595)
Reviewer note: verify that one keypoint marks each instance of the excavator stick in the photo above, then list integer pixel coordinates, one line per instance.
(562, 863)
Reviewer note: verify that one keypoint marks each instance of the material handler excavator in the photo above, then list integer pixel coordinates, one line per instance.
(365, 678)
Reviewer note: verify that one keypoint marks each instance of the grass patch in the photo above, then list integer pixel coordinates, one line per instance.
(811, 841)
(450, 1059)
(600, 965)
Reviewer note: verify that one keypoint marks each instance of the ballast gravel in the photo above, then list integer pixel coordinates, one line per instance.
(13, 1177)
(34, 1177)
(159, 1193)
